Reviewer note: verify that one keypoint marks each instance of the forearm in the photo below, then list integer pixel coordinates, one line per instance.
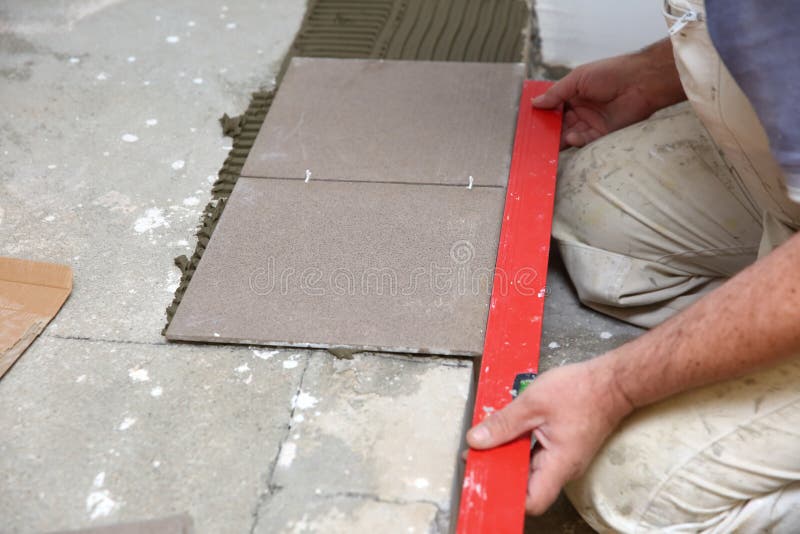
(661, 81)
(751, 321)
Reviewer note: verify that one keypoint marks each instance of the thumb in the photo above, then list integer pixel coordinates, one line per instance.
(548, 477)
(501, 427)
(560, 91)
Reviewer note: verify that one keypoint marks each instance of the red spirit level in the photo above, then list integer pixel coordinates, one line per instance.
(495, 481)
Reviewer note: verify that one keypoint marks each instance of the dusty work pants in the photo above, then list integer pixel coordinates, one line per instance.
(648, 220)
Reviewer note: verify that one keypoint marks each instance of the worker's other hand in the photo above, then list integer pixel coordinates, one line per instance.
(570, 410)
(607, 95)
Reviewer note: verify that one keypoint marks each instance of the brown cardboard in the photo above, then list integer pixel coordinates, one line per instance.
(179, 524)
(31, 293)
(320, 236)
(390, 121)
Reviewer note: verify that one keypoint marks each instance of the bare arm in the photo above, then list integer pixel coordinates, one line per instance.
(750, 322)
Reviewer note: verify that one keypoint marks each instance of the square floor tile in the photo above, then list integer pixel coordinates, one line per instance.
(391, 121)
(378, 266)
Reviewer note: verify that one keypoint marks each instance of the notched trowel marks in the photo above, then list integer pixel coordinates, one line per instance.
(454, 30)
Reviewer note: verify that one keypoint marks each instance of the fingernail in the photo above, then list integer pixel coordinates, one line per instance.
(479, 434)
(538, 100)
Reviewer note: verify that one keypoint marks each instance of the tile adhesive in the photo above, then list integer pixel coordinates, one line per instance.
(443, 30)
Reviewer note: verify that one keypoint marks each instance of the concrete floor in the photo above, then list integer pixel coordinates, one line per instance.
(109, 141)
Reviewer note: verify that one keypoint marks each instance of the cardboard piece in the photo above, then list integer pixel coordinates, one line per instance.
(366, 266)
(390, 121)
(178, 524)
(31, 293)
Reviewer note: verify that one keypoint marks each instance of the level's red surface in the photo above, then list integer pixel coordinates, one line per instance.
(495, 481)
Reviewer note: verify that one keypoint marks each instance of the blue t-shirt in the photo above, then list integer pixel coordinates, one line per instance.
(759, 42)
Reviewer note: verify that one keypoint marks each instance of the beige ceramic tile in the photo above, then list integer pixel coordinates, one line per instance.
(391, 121)
(389, 267)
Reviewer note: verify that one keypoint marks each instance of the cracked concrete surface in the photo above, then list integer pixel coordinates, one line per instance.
(110, 142)
(109, 139)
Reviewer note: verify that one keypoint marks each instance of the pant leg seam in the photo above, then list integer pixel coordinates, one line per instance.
(731, 251)
(625, 256)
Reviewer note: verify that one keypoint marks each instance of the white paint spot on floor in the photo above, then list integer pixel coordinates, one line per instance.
(231, 25)
(49, 218)
(553, 345)
(191, 201)
(606, 335)
(157, 391)
(153, 218)
(52, 166)
(99, 502)
(178, 164)
(291, 361)
(197, 81)
(139, 375)
(102, 76)
(287, 455)
(265, 354)
(131, 59)
(304, 401)
(156, 463)
(249, 379)
(191, 24)
(182, 243)
(242, 368)
(151, 122)
(127, 423)
(299, 418)
(172, 39)
(158, 18)
(129, 138)
(421, 483)
(216, 334)
(80, 379)
(308, 175)
(74, 60)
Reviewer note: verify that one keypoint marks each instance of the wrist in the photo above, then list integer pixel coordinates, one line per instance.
(657, 77)
(616, 403)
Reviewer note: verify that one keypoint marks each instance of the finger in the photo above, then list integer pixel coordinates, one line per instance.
(503, 426)
(571, 136)
(548, 477)
(581, 138)
(559, 92)
(570, 119)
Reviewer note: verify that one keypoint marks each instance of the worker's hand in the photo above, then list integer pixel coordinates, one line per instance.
(607, 95)
(571, 410)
